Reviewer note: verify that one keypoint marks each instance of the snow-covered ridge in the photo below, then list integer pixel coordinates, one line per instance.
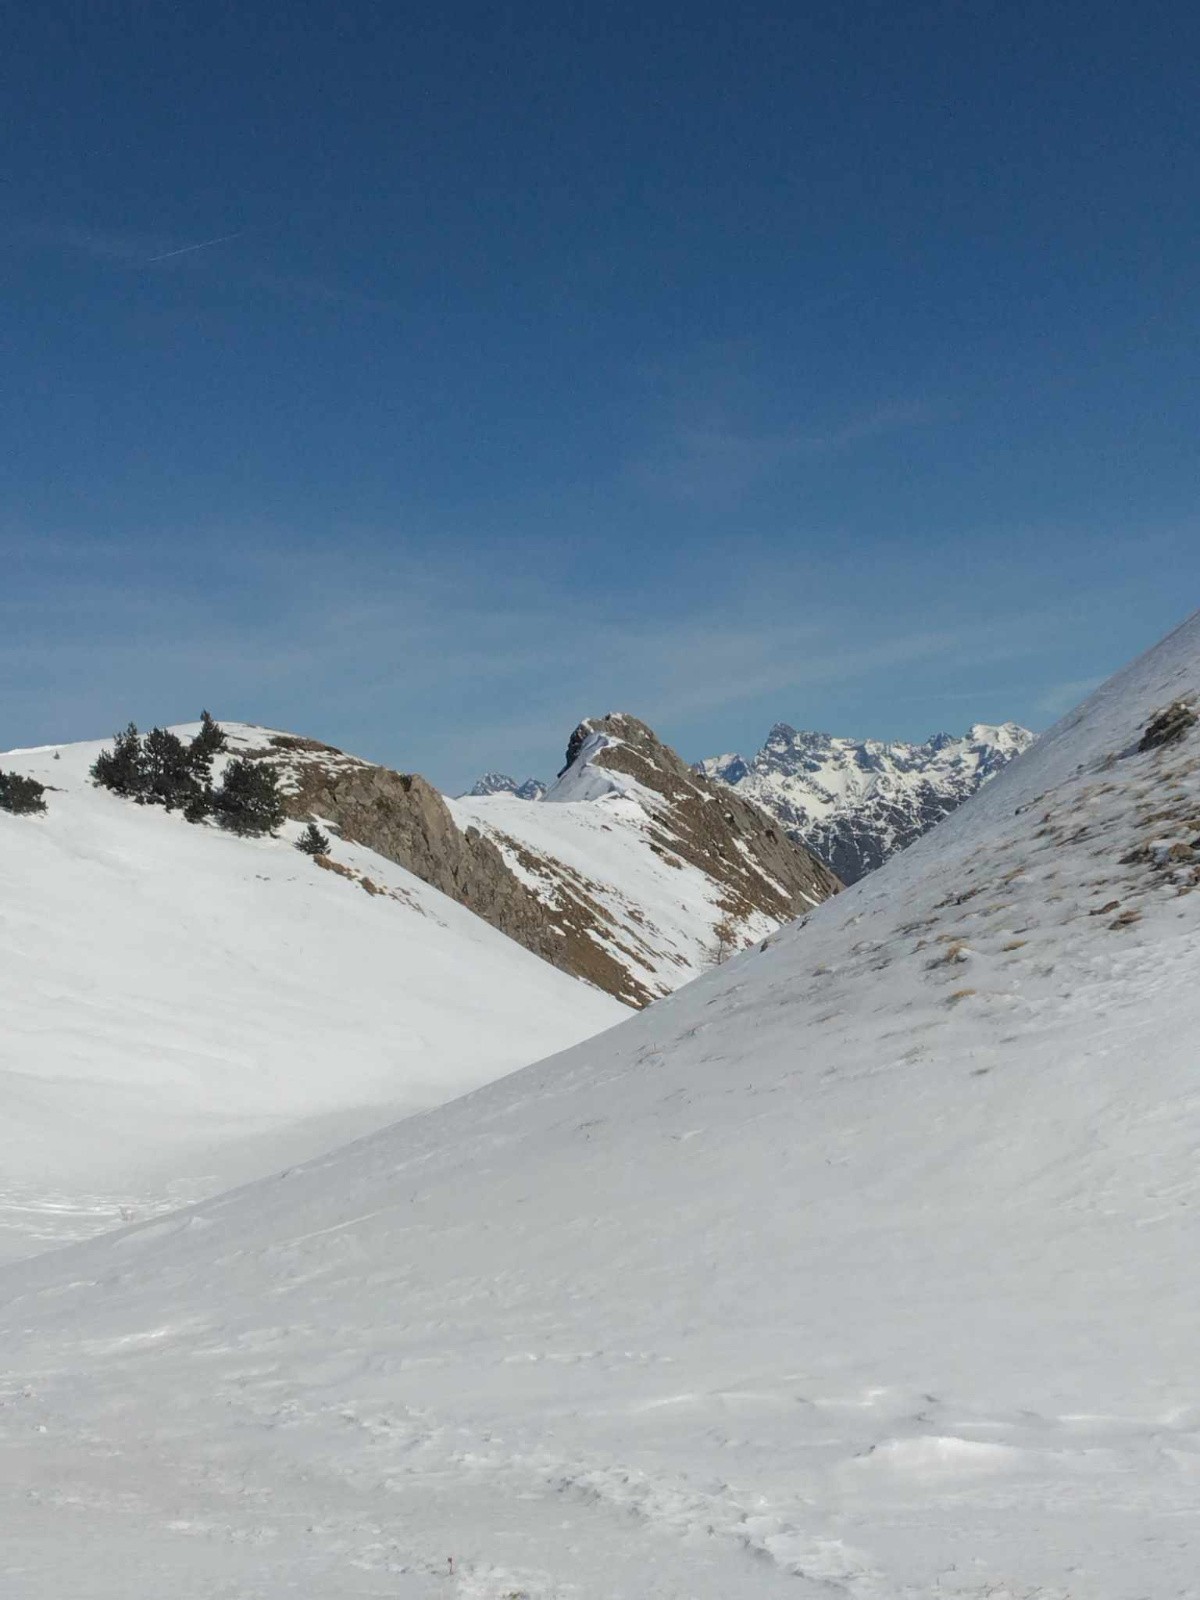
(182, 1008)
(864, 1266)
(651, 875)
(855, 802)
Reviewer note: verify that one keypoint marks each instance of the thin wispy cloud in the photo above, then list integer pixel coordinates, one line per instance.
(187, 249)
(460, 667)
(700, 462)
(137, 250)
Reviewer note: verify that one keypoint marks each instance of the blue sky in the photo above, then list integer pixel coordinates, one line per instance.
(834, 363)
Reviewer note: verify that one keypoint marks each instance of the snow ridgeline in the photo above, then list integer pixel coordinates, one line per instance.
(863, 1267)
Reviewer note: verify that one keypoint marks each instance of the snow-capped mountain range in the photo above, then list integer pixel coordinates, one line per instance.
(501, 783)
(864, 1266)
(855, 802)
(852, 802)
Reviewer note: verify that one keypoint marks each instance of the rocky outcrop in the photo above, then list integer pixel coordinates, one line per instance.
(602, 890)
(1169, 726)
(757, 866)
(403, 817)
(651, 873)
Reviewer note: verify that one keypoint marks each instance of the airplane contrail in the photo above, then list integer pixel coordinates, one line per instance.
(188, 248)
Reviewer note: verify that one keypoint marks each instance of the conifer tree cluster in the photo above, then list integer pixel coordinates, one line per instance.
(22, 796)
(158, 769)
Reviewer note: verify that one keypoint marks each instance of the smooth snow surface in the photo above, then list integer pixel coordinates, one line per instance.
(864, 1267)
(183, 1009)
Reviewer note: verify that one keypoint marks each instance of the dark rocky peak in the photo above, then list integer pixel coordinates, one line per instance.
(789, 749)
(614, 725)
(493, 783)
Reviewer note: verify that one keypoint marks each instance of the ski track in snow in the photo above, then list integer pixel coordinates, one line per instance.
(864, 1268)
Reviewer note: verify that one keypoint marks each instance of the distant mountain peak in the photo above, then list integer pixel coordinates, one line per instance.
(650, 872)
(501, 783)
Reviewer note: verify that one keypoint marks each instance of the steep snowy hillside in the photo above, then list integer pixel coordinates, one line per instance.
(865, 1266)
(183, 1008)
(855, 802)
(651, 873)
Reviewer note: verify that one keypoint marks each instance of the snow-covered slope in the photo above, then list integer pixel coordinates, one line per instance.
(649, 871)
(182, 1008)
(855, 802)
(862, 1267)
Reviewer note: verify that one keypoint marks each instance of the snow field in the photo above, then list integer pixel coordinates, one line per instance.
(862, 1267)
(184, 1009)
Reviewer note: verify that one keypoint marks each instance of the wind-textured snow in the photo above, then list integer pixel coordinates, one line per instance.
(183, 1009)
(865, 1266)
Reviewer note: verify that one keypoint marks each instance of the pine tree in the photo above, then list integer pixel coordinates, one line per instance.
(169, 776)
(122, 769)
(22, 796)
(248, 801)
(313, 842)
(210, 741)
(200, 805)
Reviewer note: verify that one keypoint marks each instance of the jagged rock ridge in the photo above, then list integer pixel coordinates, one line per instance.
(855, 802)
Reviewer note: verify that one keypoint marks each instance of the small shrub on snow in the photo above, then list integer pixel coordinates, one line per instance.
(725, 940)
(313, 842)
(22, 796)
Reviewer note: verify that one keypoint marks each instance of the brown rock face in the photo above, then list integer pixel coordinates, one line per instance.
(570, 921)
(405, 819)
(758, 867)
